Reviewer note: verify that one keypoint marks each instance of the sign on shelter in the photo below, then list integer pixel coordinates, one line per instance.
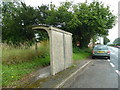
(60, 48)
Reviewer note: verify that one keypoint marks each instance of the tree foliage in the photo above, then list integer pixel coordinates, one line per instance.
(117, 41)
(16, 22)
(90, 20)
(83, 20)
(105, 40)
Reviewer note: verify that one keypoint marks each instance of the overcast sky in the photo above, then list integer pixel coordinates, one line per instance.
(113, 33)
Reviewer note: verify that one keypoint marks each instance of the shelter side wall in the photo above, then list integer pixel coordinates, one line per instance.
(57, 48)
(68, 50)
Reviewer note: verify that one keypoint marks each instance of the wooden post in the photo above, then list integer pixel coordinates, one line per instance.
(36, 48)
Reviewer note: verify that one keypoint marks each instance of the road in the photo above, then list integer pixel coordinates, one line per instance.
(114, 57)
(101, 74)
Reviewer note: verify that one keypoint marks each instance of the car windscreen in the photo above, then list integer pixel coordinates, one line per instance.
(101, 48)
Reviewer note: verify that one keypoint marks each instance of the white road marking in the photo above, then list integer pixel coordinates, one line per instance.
(114, 49)
(73, 74)
(108, 60)
(118, 72)
(112, 64)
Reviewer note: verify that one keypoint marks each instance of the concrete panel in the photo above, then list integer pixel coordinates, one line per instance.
(57, 63)
(68, 50)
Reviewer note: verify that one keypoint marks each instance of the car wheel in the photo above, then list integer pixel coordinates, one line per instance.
(93, 57)
(108, 57)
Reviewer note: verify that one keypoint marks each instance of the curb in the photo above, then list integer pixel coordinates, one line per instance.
(72, 75)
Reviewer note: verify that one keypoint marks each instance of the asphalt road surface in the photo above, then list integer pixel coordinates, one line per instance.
(101, 74)
(114, 57)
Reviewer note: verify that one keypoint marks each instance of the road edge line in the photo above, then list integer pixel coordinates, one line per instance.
(70, 76)
(117, 71)
(112, 64)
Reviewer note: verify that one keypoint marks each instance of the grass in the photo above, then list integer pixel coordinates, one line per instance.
(81, 54)
(14, 72)
(18, 62)
(11, 55)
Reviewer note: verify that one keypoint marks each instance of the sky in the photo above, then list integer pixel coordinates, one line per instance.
(113, 33)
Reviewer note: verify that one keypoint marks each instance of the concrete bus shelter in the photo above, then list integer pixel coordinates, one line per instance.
(60, 48)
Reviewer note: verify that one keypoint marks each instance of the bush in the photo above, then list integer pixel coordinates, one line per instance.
(78, 50)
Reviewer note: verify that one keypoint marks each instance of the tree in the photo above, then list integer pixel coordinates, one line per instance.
(16, 21)
(105, 40)
(59, 16)
(90, 20)
(85, 21)
(117, 41)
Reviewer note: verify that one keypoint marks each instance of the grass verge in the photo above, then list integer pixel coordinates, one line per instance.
(81, 54)
(18, 62)
(14, 72)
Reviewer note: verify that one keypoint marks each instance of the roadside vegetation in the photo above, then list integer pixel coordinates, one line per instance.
(19, 62)
(81, 54)
(116, 42)
(12, 55)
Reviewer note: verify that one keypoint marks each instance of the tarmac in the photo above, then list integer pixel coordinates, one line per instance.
(43, 79)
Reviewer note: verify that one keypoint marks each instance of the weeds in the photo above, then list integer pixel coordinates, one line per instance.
(81, 54)
(11, 55)
(18, 62)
